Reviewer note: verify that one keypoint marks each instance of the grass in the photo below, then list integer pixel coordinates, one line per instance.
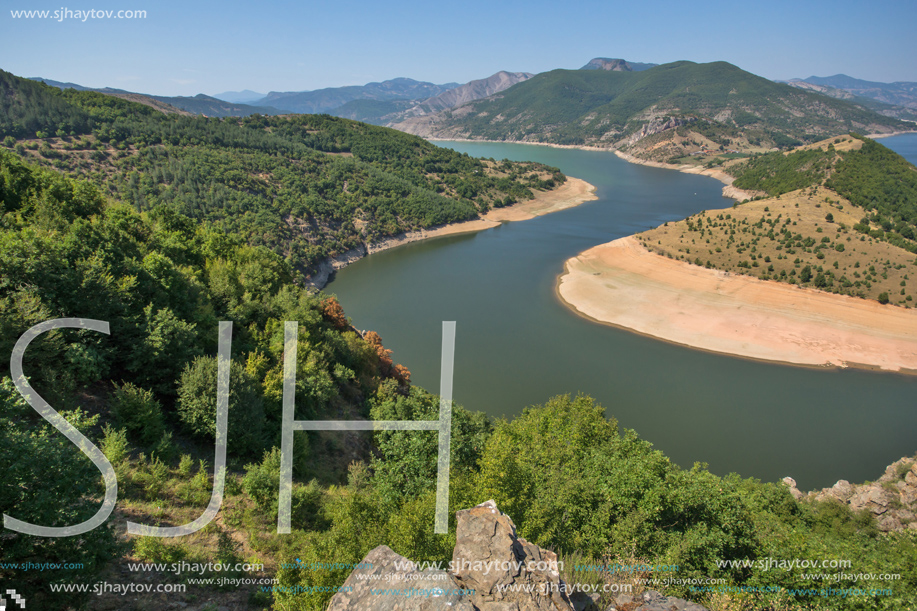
(750, 239)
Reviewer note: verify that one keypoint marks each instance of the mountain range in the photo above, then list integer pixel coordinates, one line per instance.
(720, 104)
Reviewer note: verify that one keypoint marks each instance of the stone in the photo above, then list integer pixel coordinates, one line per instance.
(435, 588)
(490, 559)
(791, 484)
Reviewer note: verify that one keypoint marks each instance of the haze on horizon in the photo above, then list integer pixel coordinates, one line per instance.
(212, 47)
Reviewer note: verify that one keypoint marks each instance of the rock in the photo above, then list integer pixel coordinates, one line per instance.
(435, 589)
(873, 499)
(585, 602)
(490, 559)
(487, 561)
(791, 484)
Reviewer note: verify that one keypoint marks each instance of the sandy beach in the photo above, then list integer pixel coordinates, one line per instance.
(623, 284)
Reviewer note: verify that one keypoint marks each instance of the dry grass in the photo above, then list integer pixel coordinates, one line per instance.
(738, 240)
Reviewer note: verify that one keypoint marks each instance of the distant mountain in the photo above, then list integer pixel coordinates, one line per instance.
(475, 90)
(617, 65)
(900, 93)
(323, 100)
(246, 96)
(667, 107)
(395, 111)
(212, 107)
(889, 110)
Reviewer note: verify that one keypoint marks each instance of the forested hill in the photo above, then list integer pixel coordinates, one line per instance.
(617, 109)
(306, 186)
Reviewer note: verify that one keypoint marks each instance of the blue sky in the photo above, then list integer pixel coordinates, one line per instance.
(186, 47)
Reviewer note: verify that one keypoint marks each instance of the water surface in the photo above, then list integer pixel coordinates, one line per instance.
(517, 345)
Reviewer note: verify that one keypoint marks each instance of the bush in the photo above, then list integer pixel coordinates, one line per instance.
(137, 410)
(261, 481)
(883, 298)
(197, 405)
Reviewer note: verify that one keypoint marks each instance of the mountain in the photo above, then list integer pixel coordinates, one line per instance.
(391, 112)
(617, 65)
(475, 90)
(212, 107)
(323, 100)
(665, 108)
(889, 110)
(900, 93)
(239, 97)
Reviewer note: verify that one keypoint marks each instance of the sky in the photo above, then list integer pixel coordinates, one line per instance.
(188, 47)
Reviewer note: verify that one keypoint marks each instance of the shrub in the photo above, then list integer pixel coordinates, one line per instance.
(137, 410)
(197, 405)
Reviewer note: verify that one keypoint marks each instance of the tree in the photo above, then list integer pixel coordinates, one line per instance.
(47, 481)
(883, 298)
(806, 274)
(197, 405)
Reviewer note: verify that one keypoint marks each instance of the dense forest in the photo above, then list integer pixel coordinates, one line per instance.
(305, 186)
(570, 478)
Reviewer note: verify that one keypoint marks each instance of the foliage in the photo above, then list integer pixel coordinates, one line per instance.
(197, 405)
(47, 481)
(139, 412)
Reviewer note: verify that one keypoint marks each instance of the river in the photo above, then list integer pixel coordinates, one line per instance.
(517, 345)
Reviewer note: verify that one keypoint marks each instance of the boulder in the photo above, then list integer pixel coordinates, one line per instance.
(505, 571)
(383, 586)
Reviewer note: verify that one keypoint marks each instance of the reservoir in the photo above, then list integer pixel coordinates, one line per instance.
(517, 345)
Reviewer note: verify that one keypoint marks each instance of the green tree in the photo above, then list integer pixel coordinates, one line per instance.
(197, 405)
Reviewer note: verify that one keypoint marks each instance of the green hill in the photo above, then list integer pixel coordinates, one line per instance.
(609, 108)
(305, 186)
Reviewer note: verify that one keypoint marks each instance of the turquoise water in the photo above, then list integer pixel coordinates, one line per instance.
(517, 345)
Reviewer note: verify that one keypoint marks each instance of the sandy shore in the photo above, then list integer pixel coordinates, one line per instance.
(572, 193)
(623, 284)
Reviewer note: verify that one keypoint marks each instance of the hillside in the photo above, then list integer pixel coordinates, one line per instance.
(198, 105)
(839, 216)
(715, 105)
(308, 187)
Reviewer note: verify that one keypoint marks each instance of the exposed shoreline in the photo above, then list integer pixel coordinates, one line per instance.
(625, 285)
(573, 192)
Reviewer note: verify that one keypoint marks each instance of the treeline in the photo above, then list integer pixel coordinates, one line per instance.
(306, 186)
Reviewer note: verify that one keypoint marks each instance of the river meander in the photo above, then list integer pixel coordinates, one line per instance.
(517, 345)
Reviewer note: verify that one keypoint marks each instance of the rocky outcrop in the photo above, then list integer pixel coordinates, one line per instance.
(654, 126)
(471, 91)
(492, 569)
(892, 499)
(503, 570)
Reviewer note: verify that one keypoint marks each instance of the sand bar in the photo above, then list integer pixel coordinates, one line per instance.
(624, 284)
